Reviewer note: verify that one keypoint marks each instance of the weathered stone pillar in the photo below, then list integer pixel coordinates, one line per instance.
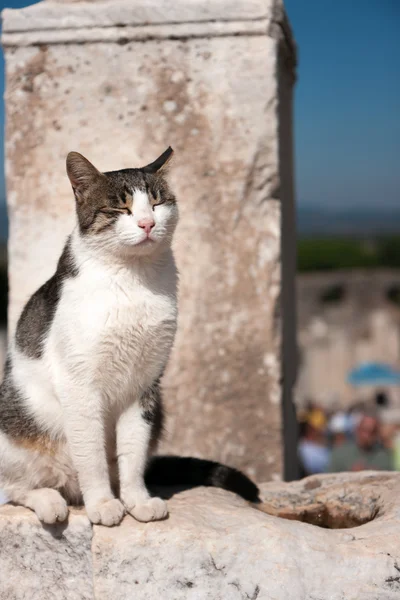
(119, 81)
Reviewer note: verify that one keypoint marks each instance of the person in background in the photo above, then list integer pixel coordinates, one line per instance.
(312, 450)
(355, 414)
(365, 452)
(390, 433)
(387, 435)
(340, 428)
(396, 450)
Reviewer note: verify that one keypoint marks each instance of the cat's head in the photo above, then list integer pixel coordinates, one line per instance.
(128, 212)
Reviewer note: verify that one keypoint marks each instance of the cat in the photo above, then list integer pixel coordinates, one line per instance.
(80, 403)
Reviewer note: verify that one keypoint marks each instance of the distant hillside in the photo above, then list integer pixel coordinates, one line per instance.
(317, 221)
(332, 253)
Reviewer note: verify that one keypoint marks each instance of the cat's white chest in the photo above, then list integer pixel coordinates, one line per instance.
(138, 335)
(121, 325)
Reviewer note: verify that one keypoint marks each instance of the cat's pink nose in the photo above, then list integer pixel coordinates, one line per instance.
(146, 224)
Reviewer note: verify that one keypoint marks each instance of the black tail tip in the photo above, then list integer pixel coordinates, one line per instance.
(192, 472)
(235, 481)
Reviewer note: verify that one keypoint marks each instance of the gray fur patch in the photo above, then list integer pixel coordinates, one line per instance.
(15, 420)
(152, 411)
(38, 314)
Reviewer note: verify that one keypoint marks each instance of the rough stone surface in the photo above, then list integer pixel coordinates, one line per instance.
(38, 563)
(218, 100)
(331, 501)
(216, 547)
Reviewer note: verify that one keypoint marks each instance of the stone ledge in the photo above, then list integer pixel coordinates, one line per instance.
(48, 15)
(122, 21)
(215, 546)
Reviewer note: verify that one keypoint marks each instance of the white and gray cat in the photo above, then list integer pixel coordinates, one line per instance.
(80, 404)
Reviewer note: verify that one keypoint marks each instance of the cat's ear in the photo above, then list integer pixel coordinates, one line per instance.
(160, 163)
(82, 174)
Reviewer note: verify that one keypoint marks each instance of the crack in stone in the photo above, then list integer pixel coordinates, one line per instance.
(8, 42)
(220, 569)
(244, 594)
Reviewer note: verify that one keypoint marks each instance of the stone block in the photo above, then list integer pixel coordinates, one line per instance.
(119, 81)
(216, 546)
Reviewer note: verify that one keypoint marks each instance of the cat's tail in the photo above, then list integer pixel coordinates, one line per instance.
(193, 472)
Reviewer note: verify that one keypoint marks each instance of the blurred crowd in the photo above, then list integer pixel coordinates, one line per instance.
(367, 436)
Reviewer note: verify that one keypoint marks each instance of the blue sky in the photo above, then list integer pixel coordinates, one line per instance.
(347, 121)
(347, 99)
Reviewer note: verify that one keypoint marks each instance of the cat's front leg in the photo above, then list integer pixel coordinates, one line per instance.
(83, 410)
(137, 429)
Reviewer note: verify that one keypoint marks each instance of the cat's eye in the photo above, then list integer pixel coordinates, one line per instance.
(157, 199)
(125, 195)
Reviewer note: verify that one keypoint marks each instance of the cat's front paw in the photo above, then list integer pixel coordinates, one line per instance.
(48, 504)
(106, 512)
(153, 509)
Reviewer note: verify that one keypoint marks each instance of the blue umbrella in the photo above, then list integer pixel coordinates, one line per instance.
(374, 374)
